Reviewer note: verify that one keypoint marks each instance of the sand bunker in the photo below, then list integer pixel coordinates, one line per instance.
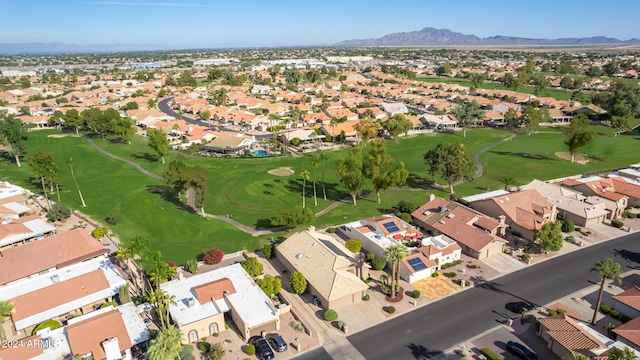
(58, 136)
(567, 156)
(282, 171)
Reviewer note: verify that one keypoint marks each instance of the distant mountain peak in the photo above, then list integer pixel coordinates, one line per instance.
(433, 36)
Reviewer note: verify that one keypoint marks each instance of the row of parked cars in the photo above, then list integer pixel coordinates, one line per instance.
(265, 347)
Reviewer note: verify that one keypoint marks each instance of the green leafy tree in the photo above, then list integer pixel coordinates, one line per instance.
(396, 125)
(293, 217)
(158, 142)
(298, 282)
(131, 105)
(380, 169)
(351, 172)
(139, 246)
(13, 135)
(451, 162)
(532, 117)
(45, 168)
(574, 356)
(177, 176)
(610, 68)
(619, 124)
(270, 285)
(579, 134)
(366, 129)
(477, 79)
(166, 345)
(252, 266)
(216, 352)
(511, 119)
(540, 83)
(124, 129)
(93, 118)
(6, 308)
(468, 114)
(550, 237)
(198, 181)
(354, 245)
(608, 270)
(395, 254)
(70, 162)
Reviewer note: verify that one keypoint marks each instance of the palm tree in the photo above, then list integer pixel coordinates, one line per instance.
(166, 345)
(70, 163)
(322, 157)
(314, 162)
(608, 327)
(125, 254)
(623, 354)
(333, 124)
(608, 269)
(506, 180)
(6, 308)
(305, 177)
(138, 246)
(395, 253)
(274, 122)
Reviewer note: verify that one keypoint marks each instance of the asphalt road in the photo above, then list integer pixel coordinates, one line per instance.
(437, 327)
(163, 105)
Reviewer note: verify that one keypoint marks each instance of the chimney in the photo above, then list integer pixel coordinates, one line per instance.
(502, 219)
(180, 276)
(432, 197)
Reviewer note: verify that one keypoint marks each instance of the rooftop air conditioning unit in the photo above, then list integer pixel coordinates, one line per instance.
(55, 279)
(191, 302)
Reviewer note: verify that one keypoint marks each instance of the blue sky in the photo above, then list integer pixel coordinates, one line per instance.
(302, 22)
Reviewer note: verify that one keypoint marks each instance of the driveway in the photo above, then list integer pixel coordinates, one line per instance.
(504, 263)
(608, 230)
(497, 339)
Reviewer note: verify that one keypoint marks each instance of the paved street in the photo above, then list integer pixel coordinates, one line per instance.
(428, 331)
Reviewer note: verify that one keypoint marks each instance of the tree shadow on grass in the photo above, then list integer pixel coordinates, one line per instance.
(523, 155)
(145, 156)
(333, 194)
(263, 224)
(167, 195)
(416, 181)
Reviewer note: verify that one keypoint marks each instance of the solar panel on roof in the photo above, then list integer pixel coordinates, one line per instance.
(417, 264)
(391, 226)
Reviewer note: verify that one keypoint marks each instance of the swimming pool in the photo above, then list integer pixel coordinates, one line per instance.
(259, 153)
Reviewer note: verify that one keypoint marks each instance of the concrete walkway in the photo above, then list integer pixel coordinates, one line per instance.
(476, 157)
(138, 167)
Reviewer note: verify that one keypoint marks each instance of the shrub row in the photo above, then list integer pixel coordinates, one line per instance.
(453, 263)
(617, 223)
(489, 354)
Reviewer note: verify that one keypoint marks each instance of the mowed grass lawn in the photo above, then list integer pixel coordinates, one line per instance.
(245, 190)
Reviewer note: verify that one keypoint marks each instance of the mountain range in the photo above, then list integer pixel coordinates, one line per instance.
(444, 37)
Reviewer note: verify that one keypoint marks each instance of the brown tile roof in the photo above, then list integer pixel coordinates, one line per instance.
(55, 295)
(52, 252)
(23, 349)
(569, 334)
(630, 297)
(87, 336)
(630, 331)
(525, 208)
(214, 290)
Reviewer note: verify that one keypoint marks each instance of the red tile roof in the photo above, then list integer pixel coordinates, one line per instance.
(87, 336)
(564, 330)
(630, 331)
(214, 290)
(630, 297)
(23, 349)
(52, 252)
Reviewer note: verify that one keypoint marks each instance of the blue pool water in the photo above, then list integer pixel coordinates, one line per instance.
(259, 153)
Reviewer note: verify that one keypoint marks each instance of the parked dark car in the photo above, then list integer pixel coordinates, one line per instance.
(263, 350)
(521, 351)
(277, 342)
(519, 306)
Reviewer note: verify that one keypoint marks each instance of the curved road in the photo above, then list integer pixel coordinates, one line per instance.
(432, 329)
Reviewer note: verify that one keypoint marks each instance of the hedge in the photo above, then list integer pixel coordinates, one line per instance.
(390, 309)
(51, 324)
(490, 354)
(250, 350)
(615, 314)
(617, 223)
(605, 308)
(330, 315)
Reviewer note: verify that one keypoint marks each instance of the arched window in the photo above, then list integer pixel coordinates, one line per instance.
(213, 328)
(193, 336)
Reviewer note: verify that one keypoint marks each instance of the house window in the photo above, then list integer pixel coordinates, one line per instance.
(213, 328)
(43, 272)
(193, 336)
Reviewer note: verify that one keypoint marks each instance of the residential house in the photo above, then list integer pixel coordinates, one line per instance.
(202, 301)
(61, 294)
(439, 122)
(108, 333)
(477, 234)
(329, 267)
(565, 336)
(341, 113)
(628, 302)
(524, 211)
(570, 204)
(379, 232)
(23, 230)
(227, 142)
(13, 201)
(334, 130)
(394, 108)
(604, 189)
(629, 333)
(52, 253)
